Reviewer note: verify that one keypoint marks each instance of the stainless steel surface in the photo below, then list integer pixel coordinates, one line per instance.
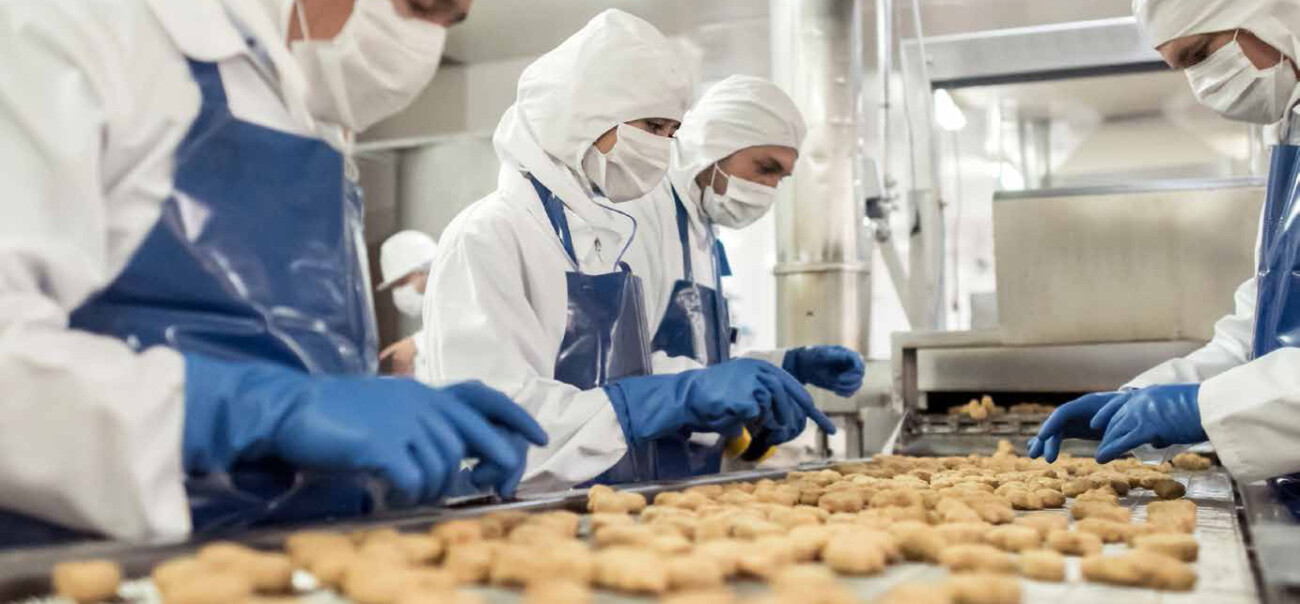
(1151, 186)
(982, 360)
(823, 278)
(1122, 267)
(1057, 50)
(1041, 368)
(1275, 542)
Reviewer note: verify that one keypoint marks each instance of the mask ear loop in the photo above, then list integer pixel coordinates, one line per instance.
(302, 19)
(349, 137)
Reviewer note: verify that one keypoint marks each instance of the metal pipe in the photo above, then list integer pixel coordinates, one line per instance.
(884, 65)
(823, 271)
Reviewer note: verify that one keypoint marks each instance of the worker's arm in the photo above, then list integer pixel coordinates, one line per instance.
(90, 430)
(1252, 415)
(1229, 348)
(479, 324)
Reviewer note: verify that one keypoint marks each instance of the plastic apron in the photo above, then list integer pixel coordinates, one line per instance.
(257, 255)
(696, 324)
(605, 336)
(1277, 311)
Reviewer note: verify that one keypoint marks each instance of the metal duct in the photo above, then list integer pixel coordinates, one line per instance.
(823, 272)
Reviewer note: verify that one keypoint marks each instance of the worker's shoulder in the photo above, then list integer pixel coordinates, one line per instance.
(489, 221)
(88, 21)
(100, 37)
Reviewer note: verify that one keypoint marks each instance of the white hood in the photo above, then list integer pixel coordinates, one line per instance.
(1276, 22)
(616, 69)
(737, 113)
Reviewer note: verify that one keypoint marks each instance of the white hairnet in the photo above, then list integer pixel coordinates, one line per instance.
(404, 253)
(616, 69)
(737, 113)
(1276, 22)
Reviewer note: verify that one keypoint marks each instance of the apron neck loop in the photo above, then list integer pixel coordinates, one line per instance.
(555, 214)
(684, 235)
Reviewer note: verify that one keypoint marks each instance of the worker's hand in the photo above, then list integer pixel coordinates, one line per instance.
(792, 406)
(834, 368)
(402, 353)
(504, 479)
(1070, 420)
(407, 433)
(1156, 415)
(719, 399)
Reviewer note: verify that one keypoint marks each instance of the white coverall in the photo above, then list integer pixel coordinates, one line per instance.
(496, 304)
(734, 114)
(1250, 409)
(95, 96)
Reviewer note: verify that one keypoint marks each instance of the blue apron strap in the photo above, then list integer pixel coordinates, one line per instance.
(555, 213)
(683, 235)
(208, 77)
(720, 252)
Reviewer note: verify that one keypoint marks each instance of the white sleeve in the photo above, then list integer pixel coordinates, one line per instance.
(662, 364)
(90, 431)
(1252, 416)
(1229, 348)
(479, 325)
(775, 357)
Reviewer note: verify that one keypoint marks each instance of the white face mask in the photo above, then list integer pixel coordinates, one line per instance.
(373, 68)
(636, 164)
(1230, 84)
(408, 301)
(742, 204)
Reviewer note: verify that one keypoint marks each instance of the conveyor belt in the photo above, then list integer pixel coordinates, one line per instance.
(1225, 572)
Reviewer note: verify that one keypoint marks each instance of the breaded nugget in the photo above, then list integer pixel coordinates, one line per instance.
(976, 558)
(1042, 565)
(86, 581)
(1074, 544)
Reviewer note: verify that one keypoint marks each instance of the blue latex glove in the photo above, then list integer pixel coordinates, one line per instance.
(1070, 420)
(504, 478)
(1157, 415)
(719, 399)
(409, 434)
(834, 368)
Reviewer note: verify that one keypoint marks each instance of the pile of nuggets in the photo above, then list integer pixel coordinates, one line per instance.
(984, 407)
(973, 515)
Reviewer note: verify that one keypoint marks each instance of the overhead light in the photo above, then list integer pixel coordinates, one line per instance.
(946, 112)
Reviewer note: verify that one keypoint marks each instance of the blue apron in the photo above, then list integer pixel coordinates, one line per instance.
(696, 324)
(1277, 307)
(256, 256)
(605, 336)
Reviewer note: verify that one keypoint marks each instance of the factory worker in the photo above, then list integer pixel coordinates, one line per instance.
(529, 291)
(182, 286)
(734, 146)
(1242, 390)
(404, 259)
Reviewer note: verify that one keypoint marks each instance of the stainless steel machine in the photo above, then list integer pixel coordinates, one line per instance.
(1094, 287)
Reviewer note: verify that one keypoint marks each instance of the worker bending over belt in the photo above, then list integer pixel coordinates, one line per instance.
(184, 304)
(530, 291)
(735, 145)
(1242, 390)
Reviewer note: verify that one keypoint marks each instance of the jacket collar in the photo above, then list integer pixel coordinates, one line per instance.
(201, 29)
(217, 30)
